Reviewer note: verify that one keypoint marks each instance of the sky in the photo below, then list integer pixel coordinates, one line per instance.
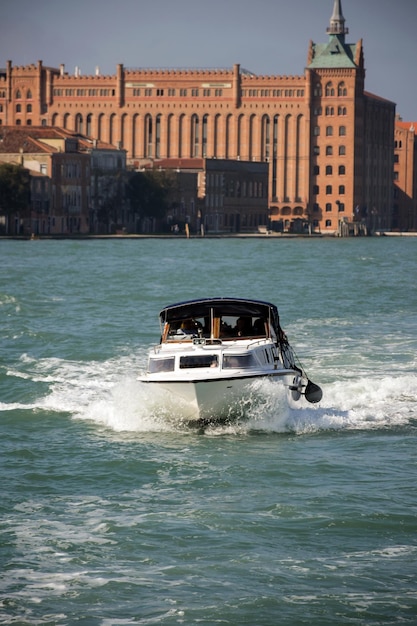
(267, 37)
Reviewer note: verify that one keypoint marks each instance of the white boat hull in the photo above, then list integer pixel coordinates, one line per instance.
(218, 399)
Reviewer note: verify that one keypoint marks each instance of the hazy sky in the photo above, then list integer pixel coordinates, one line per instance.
(268, 37)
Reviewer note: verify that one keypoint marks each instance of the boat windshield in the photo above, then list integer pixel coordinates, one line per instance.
(219, 318)
(217, 327)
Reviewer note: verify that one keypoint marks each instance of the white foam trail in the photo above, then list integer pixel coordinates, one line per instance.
(108, 394)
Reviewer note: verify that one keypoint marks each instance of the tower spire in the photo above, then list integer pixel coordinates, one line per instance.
(337, 21)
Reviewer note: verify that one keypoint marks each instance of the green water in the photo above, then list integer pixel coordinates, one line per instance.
(111, 513)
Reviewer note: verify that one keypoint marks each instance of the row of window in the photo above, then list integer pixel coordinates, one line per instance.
(329, 150)
(330, 91)
(330, 111)
(19, 108)
(195, 92)
(329, 131)
(329, 207)
(275, 93)
(19, 122)
(84, 92)
(329, 170)
(278, 93)
(148, 92)
(19, 94)
(329, 190)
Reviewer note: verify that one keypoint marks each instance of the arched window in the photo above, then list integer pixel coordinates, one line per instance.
(100, 125)
(79, 127)
(181, 124)
(168, 134)
(341, 110)
(342, 131)
(328, 223)
(329, 110)
(329, 170)
(329, 190)
(316, 190)
(18, 108)
(316, 131)
(157, 136)
(18, 94)
(28, 122)
(317, 89)
(316, 170)
(341, 89)
(88, 121)
(239, 135)
(328, 207)
(342, 190)
(204, 135)
(266, 138)
(65, 120)
(148, 136)
(342, 170)
(329, 89)
(329, 131)
(342, 150)
(329, 150)
(29, 95)
(29, 108)
(195, 135)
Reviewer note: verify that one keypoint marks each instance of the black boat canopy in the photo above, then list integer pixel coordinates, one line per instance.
(219, 307)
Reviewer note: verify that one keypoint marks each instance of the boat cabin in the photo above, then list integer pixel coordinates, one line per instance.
(216, 320)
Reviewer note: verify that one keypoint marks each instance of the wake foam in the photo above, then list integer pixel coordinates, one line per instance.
(108, 394)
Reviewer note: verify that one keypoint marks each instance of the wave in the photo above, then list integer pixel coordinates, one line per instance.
(109, 395)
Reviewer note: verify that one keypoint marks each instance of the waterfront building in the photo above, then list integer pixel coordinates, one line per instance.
(72, 179)
(405, 177)
(217, 196)
(328, 143)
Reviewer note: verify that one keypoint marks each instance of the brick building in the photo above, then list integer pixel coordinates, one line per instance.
(217, 195)
(328, 143)
(405, 177)
(66, 170)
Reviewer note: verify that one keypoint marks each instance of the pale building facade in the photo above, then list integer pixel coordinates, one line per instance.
(327, 142)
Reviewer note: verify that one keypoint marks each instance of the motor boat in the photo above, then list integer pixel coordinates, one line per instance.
(213, 351)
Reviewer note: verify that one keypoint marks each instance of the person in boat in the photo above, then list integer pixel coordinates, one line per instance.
(259, 327)
(189, 327)
(243, 327)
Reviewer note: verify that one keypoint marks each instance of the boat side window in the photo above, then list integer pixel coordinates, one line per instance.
(200, 360)
(161, 365)
(238, 361)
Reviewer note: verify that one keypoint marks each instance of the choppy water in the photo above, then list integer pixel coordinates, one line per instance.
(110, 514)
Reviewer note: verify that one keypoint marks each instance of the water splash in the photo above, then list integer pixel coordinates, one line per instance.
(108, 394)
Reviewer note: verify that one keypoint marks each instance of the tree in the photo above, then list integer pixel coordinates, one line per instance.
(14, 190)
(147, 192)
